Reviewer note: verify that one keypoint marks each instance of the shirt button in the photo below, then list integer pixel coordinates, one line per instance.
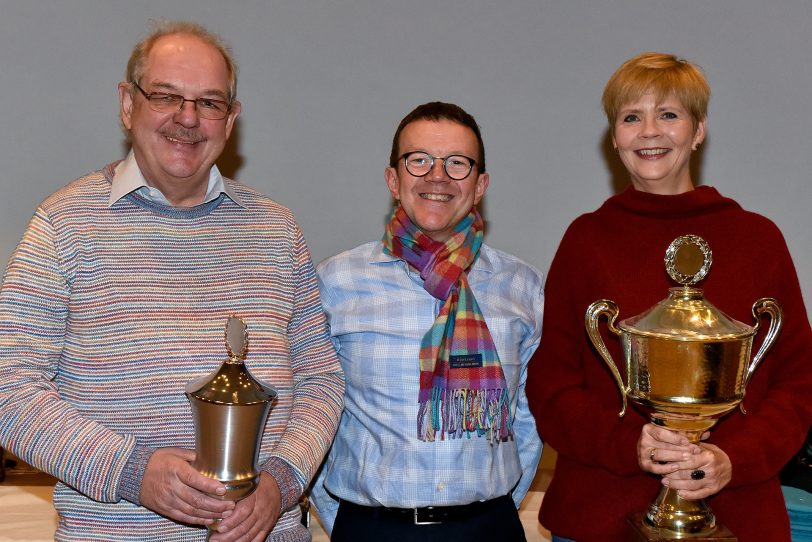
(440, 486)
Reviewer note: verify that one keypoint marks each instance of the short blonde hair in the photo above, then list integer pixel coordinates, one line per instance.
(161, 28)
(663, 74)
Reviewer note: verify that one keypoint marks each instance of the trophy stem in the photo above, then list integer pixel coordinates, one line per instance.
(679, 516)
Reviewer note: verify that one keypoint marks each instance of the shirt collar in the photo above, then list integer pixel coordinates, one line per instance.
(482, 263)
(127, 177)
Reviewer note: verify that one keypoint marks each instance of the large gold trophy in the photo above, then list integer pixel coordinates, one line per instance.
(229, 407)
(687, 364)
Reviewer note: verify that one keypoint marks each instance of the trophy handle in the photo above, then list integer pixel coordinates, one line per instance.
(771, 307)
(593, 314)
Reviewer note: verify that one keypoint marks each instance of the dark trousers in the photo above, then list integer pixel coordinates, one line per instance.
(499, 523)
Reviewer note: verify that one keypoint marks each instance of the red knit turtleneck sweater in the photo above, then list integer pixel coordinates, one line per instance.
(617, 253)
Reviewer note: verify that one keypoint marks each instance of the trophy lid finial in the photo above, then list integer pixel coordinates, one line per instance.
(236, 338)
(688, 259)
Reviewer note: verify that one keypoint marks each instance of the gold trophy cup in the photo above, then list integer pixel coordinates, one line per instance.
(687, 364)
(229, 407)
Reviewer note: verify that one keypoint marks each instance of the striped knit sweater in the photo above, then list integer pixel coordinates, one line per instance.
(107, 312)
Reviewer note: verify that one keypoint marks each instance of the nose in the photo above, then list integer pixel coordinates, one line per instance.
(650, 127)
(187, 114)
(437, 173)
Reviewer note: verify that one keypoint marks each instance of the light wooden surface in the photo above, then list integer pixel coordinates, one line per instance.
(27, 513)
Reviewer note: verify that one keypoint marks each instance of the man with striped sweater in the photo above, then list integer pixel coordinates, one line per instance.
(117, 296)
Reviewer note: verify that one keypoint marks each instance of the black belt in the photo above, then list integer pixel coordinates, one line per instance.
(430, 515)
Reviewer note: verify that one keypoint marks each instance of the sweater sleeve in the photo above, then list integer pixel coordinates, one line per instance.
(36, 424)
(318, 379)
(777, 398)
(575, 404)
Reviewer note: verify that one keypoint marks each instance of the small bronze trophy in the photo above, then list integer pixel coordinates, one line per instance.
(687, 364)
(229, 407)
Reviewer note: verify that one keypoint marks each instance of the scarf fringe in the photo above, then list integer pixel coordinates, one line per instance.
(465, 412)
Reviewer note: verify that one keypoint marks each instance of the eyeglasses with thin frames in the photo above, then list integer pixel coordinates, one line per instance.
(456, 166)
(163, 102)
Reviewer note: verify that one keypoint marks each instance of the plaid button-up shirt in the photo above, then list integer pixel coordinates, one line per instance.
(378, 313)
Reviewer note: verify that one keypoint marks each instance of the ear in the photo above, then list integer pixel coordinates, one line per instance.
(482, 182)
(392, 181)
(236, 109)
(699, 134)
(125, 100)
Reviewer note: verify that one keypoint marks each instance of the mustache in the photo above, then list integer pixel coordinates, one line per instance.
(182, 134)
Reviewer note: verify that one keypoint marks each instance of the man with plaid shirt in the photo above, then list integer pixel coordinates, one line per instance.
(434, 330)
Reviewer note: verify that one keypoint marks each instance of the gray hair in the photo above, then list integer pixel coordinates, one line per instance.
(161, 28)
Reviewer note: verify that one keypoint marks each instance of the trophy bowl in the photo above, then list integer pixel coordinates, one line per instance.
(687, 364)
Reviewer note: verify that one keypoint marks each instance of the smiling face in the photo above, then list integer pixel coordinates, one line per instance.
(654, 141)
(176, 150)
(436, 203)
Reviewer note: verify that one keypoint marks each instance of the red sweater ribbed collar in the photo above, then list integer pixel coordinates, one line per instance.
(701, 200)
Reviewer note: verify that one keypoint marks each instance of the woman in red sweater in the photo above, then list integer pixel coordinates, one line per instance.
(656, 105)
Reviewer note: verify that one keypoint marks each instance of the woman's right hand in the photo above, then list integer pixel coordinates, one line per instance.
(661, 450)
(702, 475)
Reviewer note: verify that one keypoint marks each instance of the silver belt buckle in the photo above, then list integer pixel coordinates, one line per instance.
(417, 518)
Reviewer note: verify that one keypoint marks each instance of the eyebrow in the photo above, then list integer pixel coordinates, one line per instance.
(175, 90)
(451, 153)
(660, 107)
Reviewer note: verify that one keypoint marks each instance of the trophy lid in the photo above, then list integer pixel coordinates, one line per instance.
(685, 315)
(231, 383)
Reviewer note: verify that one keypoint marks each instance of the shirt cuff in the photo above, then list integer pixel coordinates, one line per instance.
(289, 487)
(129, 488)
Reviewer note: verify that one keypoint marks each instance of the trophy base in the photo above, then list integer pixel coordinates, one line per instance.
(638, 530)
(671, 512)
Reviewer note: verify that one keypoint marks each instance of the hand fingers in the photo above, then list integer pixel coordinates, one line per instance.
(253, 516)
(192, 503)
(669, 455)
(242, 525)
(695, 482)
(691, 489)
(695, 495)
(192, 478)
(205, 506)
(235, 525)
(187, 513)
(665, 436)
(173, 488)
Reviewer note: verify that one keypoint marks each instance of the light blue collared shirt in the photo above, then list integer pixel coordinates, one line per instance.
(128, 178)
(378, 313)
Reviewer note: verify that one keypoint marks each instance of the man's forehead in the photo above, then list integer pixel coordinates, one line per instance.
(175, 57)
(182, 42)
(441, 131)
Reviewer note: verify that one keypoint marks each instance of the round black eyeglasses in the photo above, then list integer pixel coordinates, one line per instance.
(456, 166)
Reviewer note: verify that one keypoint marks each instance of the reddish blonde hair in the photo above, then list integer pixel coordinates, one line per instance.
(663, 74)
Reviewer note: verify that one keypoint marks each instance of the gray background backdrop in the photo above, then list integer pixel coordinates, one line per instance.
(324, 84)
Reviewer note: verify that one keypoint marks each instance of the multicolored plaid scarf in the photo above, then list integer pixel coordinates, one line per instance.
(462, 385)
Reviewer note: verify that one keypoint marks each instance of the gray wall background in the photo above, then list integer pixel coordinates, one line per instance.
(324, 83)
